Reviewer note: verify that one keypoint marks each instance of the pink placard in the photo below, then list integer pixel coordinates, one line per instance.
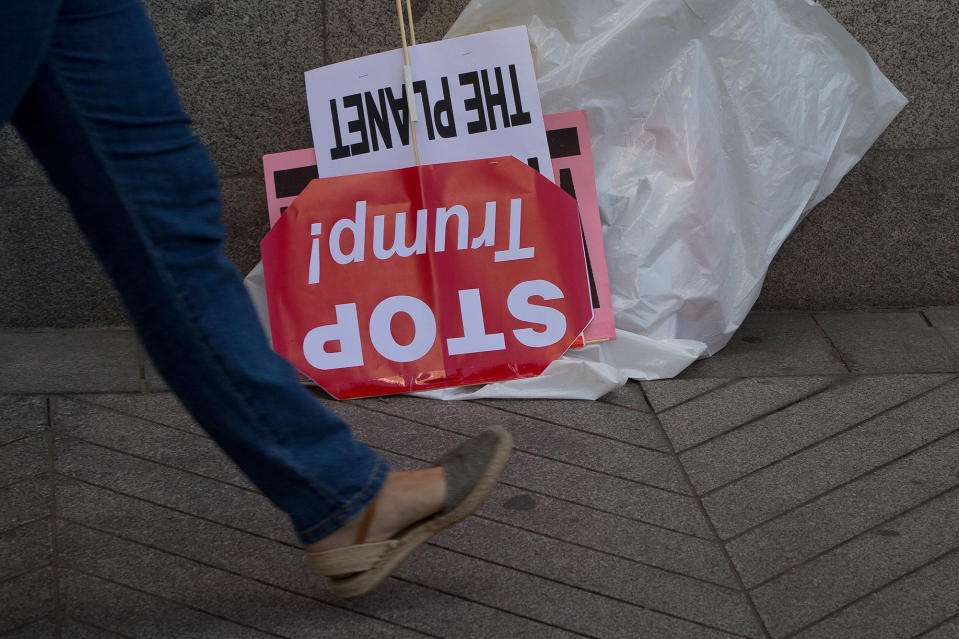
(286, 174)
(572, 159)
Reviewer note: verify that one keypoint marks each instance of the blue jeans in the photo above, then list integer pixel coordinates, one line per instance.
(104, 118)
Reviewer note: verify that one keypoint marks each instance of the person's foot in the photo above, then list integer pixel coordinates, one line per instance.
(407, 512)
(405, 498)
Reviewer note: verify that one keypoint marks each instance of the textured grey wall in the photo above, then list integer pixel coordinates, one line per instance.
(888, 237)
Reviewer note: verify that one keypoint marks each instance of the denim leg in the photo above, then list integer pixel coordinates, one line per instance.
(104, 118)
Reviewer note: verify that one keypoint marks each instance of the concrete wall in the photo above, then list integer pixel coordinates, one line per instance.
(888, 237)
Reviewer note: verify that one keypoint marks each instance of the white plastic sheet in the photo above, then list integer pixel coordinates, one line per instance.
(716, 125)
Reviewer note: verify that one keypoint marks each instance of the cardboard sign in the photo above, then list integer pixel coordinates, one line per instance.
(425, 277)
(475, 97)
(572, 159)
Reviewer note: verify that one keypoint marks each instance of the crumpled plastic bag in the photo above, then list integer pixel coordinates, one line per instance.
(716, 126)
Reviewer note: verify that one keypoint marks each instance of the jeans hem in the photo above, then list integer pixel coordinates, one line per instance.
(349, 510)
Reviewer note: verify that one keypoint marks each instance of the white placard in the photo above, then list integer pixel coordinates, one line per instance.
(475, 97)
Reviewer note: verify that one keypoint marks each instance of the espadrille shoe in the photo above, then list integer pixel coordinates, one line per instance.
(471, 470)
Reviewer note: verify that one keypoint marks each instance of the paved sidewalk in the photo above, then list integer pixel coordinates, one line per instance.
(804, 482)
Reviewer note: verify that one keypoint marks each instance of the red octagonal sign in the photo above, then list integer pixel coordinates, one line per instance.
(425, 277)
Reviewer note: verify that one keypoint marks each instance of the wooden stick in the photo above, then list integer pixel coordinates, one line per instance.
(407, 72)
(399, 15)
(409, 15)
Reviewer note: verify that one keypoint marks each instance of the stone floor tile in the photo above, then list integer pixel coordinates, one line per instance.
(842, 514)
(943, 316)
(68, 361)
(629, 395)
(23, 458)
(766, 440)
(888, 343)
(605, 492)
(400, 462)
(151, 377)
(91, 600)
(374, 422)
(23, 502)
(772, 344)
(193, 453)
(610, 534)
(666, 393)
(567, 482)
(162, 408)
(535, 477)
(207, 498)
(646, 504)
(44, 628)
(920, 600)
(645, 586)
(275, 563)
(529, 435)
(181, 534)
(210, 590)
(797, 479)
(533, 597)
(25, 549)
(725, 408)
(840, 469)
(21, 415)
(599, 418)
(443, 615)
(17, 164)
(946, 320)
(855, 569)
(428, 611)
(26, 598)
(73, 629)
(947, 630)
(951, 335)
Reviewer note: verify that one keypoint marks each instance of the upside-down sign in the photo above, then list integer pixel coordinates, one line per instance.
(425, 277)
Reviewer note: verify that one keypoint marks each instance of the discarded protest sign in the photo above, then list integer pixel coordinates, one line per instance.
(488, 283)
(287, 174)
(474, 97)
